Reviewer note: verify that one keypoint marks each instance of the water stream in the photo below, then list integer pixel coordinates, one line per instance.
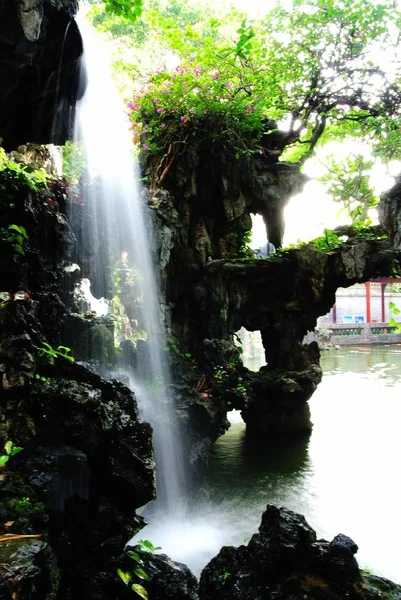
(116, 237)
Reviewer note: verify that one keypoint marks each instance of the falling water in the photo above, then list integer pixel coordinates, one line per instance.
(116, 234)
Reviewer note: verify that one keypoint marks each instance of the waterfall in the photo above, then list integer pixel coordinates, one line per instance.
(116, 236)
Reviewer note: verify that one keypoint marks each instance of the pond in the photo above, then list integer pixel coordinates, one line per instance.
(344, 479)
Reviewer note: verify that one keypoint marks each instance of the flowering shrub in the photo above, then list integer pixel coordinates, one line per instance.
(196, 100)
(311, 69)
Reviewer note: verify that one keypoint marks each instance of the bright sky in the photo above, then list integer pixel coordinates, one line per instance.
(256, 7)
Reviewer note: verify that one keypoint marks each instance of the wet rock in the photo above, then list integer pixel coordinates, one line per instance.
(168, 580)
(284, 561)
(40, 47)
(28, 570)
(379, 587)
(87, 459)
(38, 157)
(277, 402)
(203, 421)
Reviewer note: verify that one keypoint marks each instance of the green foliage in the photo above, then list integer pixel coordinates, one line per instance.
(227, 376)
(74, 161)
(327, 242)
(313, 68)
(245, 251)
(348, 183)
(393, 321)
(207, 97)
(45, 380)
(14, 176)
(16, 236)
(147, 546)
(10, 450)
(137, 571)
(179, 355)
(180, 12)
(128, 9)
(46, 350)
(140, 590)
(363, 230)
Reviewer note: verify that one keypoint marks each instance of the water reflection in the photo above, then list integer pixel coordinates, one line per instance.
(345, 479)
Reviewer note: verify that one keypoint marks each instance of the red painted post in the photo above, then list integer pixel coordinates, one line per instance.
(383, 287)
(334, 314)
(367, 286)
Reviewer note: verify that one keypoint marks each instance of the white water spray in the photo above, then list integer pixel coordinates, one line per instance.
(117, 236)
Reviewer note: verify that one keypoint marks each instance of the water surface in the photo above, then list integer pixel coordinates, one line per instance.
(344, 478)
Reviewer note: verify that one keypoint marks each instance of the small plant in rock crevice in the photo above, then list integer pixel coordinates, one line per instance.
(135, 576)
(16, 236)
(48, 351)
(10, 450)
(179, 355)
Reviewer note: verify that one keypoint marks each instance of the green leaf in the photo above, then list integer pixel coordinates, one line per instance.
(147, 545)
(135, 557)
(141, 573)
(21, 230)
(3, 459)
(125, 576)
(15, 450)
(8, 446)
(140, 590)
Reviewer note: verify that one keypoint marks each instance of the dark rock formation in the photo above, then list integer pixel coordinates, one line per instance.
(285, 561)
(281, 297)
(28, 570)
(212, 287)
(40, 49)
(168, 580)
(87, 461)
(389, 210)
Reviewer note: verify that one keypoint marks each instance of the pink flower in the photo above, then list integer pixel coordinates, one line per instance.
(204, 395)
(146, 147)
(160, 110)
(217, 75)
(184, 119)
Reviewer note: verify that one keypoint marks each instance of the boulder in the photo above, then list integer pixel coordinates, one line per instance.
(285, 561)
(168, 580)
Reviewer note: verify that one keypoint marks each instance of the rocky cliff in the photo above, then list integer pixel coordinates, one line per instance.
(68, 498)
(40, 49)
